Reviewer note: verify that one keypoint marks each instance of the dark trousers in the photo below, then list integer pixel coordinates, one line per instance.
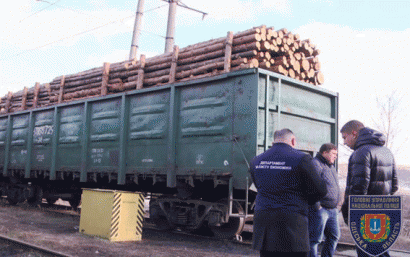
(283, 254)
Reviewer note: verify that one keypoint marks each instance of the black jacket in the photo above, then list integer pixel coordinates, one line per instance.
(287, 181)
(329, 175)
(371, 168)
(286, 178)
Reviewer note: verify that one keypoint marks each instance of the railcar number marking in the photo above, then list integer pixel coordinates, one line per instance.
(40, 132)
(97, 154)
(40, 157)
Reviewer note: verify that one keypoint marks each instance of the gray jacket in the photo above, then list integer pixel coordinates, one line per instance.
(329, 175)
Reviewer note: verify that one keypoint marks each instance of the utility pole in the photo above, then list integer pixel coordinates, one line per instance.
(169, 40)
(136, 33)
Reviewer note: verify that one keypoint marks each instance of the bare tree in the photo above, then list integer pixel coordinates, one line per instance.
(390, 120)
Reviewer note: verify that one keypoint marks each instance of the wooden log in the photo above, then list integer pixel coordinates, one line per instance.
(268, 56)
(201, 51)
(265, 46)
(245, 35)
(304, 65)
(228, 51)
(151, 74)
(279, 69)
(79, 88)
(310, 73)
(291, 73)
(296, 66)
(312, 59)
(319, 78)
(192, 66)
(200, 69)
(119, 87)
(316, 52)
(243, 66)
(83, 82)
(272, 34)
(246, 39)
(265, 64)
(316, 66)
(251, 53)
(253, 30)
(298, 56)
(164, 65)
(140, 80)
(247, 47)
(105, 77)
(281, 60)
(205, 56)
(115, 81)
(8, 101)
(159, 59)
(123, 74)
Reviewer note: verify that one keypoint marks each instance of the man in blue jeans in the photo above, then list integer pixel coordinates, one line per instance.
(323, 220)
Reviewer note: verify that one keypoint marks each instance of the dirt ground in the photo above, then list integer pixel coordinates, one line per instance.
(60, 232)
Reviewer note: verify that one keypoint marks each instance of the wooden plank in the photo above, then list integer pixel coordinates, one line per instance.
(105, 77)
(140, 80)
(228, 51)
(174, 62)
(24, 99)
(61, 91)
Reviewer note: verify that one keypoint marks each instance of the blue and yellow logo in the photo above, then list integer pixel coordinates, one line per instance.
(375, 222)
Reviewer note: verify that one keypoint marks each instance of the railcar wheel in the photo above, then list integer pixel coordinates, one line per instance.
(74, 202)
(158, 217)
(233, 227)
(37, 198)
(12, 200)
(51, 200)
(13, 196)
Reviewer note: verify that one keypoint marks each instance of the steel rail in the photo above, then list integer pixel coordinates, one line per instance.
(24, 245)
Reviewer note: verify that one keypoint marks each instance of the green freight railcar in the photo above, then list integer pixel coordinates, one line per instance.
(189, 144)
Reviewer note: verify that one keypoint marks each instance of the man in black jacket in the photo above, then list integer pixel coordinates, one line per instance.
(323, 216)
(287, 181)
(371, 168)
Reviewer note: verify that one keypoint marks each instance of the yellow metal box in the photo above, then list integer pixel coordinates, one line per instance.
(114, 215)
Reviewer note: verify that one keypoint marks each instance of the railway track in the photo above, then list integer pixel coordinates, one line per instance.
(245, 239)
(13, 247)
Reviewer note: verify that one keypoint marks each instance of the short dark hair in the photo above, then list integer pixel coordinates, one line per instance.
(350, 126)
(282, 134)
(327, 147)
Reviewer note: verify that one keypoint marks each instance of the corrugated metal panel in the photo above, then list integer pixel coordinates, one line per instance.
(148, 133)
(43, 132)
(205, 121)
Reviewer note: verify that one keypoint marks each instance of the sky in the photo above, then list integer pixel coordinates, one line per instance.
(364, 44)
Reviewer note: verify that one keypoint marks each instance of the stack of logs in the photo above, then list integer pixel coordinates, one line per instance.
(279, 51)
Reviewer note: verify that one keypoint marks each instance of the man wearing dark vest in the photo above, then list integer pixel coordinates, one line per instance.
(287, 182)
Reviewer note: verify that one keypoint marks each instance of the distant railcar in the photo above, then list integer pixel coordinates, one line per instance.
(189, 144)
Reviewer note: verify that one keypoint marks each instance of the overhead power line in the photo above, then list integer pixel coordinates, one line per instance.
(84, 32)
(51, 4)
